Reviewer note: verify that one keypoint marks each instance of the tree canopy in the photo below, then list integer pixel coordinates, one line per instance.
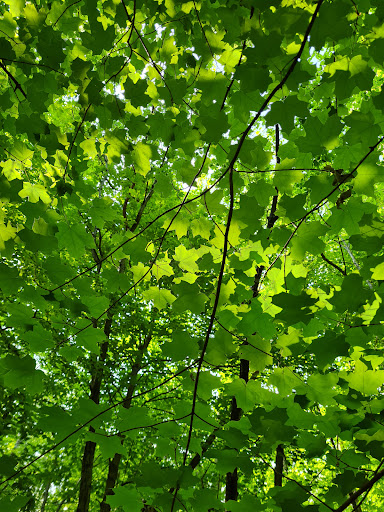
(191, 223)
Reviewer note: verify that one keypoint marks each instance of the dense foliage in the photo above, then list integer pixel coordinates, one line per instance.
(191, 221)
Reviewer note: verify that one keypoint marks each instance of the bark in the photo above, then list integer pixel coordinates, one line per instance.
(231, 487)
(364, 488)
(113, 473)
(355, 506)
(142, 208)
(231, 490)
(114, 463)
(86, 475)
(45, 496)
(279, 465)
(90, 446)
(197, 458)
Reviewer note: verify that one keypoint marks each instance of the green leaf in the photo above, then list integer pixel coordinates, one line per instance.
(39, 339)
(245, 393)
(378, 272)
(108, 445)
(141, 156)
(257, 321)
(284, 113)
(9, 279)
(34, 193)
(90, 339)
(160, 297)
(74, 239)
(322, 388)
(19, 372)
(320, 136)
(126, 498)
(307, 240)
(187, 258)
(364, 380)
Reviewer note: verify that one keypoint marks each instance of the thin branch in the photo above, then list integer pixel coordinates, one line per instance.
(37, 64)
(142, 208)
(322, 202)
(365, 487)
(214, 309)
(78, 429)
(68, 7)
(74, 138)
(157, 68)
(202, 29)
(334, 265)
(210, 325)
(299, 485)
(11, 77)
(233, 79)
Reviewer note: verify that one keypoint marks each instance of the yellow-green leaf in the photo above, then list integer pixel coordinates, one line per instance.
(34, 193)
(141, 157)
(160, 297)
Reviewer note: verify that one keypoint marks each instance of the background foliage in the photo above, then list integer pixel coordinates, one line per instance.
(191, 222)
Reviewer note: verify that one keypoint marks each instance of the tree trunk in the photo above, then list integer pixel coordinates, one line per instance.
(86, 475)
(231, 487)
(114, 463)
(90, 446)
(45, 496)
(279, 465)
(113, 472)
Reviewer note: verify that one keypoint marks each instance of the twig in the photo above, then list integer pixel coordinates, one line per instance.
(17, 84)
(333, 264)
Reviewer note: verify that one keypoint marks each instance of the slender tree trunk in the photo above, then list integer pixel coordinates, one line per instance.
(231, 491)
(113, 473)
(86, 475)
(90, 446)
(45, 496)
(231, 481)
(114, 463)
(62, 502)
(231, 487)
(279, 465)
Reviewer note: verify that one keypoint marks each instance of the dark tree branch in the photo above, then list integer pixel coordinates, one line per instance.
(233, 79)
(366, 487)
(13, 79)
(277, 143)
(142, 208)
(35, 64)
(68, 7)
(90, 446)
(323, 201)
(333, 264)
